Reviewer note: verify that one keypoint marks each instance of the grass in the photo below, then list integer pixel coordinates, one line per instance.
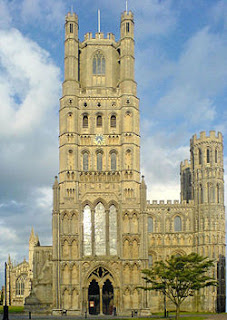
(13, 309)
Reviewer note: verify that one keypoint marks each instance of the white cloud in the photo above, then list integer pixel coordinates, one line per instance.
(27, 96)
(50, 13)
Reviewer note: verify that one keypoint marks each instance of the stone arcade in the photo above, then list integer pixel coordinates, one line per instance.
(104, 229)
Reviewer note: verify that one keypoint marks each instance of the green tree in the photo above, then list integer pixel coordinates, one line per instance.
(179, 277)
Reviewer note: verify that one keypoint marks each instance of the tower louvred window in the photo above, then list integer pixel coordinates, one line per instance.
(208, 155)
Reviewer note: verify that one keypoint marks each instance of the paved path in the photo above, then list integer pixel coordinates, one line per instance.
(24, 316)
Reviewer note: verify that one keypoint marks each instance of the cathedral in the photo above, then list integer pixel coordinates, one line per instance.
(105, 231)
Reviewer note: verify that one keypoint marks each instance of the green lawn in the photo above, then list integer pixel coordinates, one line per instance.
(13, 309)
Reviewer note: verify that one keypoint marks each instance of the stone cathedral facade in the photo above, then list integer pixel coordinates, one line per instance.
(104, 229)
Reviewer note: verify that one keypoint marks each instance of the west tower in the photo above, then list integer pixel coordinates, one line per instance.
(97, 223)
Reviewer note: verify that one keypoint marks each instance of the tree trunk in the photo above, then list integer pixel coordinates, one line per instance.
(177, 312)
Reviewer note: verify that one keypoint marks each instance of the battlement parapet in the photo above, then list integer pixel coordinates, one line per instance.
(170, 203)
(127, 15)
(203, 137)
(99, 36)
(71, 17)
(185, 164)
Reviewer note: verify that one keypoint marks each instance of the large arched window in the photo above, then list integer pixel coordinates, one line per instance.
(100, 229)
(113, 230)
(99, 161)
(87, 231)
(99, 64)
(85, 121)
(85, 161)
(150, 224)
(20, 286)
(113, 121)
(177, 224)
(113, 160)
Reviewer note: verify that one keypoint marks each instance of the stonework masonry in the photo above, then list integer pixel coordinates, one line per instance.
(104, 229)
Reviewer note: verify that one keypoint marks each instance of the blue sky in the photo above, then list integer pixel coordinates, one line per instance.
(181, 71)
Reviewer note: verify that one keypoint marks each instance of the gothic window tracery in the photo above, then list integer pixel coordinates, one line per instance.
(100, 225)
(99, 64)
(20, 284)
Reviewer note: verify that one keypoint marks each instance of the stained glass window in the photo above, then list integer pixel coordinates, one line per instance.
(100, 229)
(113, 230)
(87, 231)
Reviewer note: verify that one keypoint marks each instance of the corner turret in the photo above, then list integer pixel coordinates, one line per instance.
(127, 54)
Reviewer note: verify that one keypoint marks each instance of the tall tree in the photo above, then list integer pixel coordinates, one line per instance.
(179, 277)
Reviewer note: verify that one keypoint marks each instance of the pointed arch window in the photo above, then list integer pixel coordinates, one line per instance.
(99, 121)
(85, 161)
(150, 224)
(113, 230)
(20, 286)
(113, 159)
(208, 155)
(150, 261)
(113, 121)
(85, 121)
(216, 156)
(99, 161)
(99, 64)
(100, 229)
(87, 243)
(177, 224)
(200, 156)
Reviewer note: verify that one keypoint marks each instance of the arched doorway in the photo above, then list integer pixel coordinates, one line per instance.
(107, 297)
(94, 298)
(100, 292)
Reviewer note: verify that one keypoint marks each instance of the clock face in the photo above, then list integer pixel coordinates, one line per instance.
(99, 139)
